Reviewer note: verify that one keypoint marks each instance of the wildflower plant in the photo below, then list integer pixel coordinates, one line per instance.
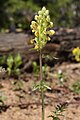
(76, 53)
(61, 77)
(76, 87)
(2, 98)
(59, 109)
(41, 29)
(13, 64)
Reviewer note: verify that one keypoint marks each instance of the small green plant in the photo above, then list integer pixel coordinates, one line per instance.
(76, 87)
(13, 64)
(2, 98)
(2, 60)
(18, 85)
(59, 109)
(41, 28)
(10, 64)
(61, 77)
(36, 68)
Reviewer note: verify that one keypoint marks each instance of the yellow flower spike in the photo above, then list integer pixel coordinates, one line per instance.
(39, 27)
(42, 20)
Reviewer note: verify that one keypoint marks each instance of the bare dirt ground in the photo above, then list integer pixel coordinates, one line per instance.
(24, 104)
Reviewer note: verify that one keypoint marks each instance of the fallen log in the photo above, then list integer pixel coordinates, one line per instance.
(13, 43)
(61, 44)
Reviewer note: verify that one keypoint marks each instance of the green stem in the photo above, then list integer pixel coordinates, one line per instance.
(42, 90)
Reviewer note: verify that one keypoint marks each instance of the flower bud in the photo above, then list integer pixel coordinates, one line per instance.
(33, 22)
(51, 32)
(40, 12)
(36, 17)
(40, 17)
(77, 58)
(33, 30)
(44, 24)
(43, 9)
(36, 46)
(44, 32)
(46, 12)
(32, 41)
(48, 38)
(51, 24)
(48, 18)
(36, 33)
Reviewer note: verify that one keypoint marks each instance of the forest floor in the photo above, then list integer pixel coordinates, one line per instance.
(22, 103)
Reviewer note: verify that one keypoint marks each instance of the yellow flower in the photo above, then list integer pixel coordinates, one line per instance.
(36, 46)
(51, 24)
(40, 12)
(36, 33)
(33, 30)
(47, 12)
(75, 50)
(36, 17)
(33, 22)
(51, 32)
(45, 32)
(48, 19)
(48, 38)
(77, 58)
(43, 9)
(32, 41)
